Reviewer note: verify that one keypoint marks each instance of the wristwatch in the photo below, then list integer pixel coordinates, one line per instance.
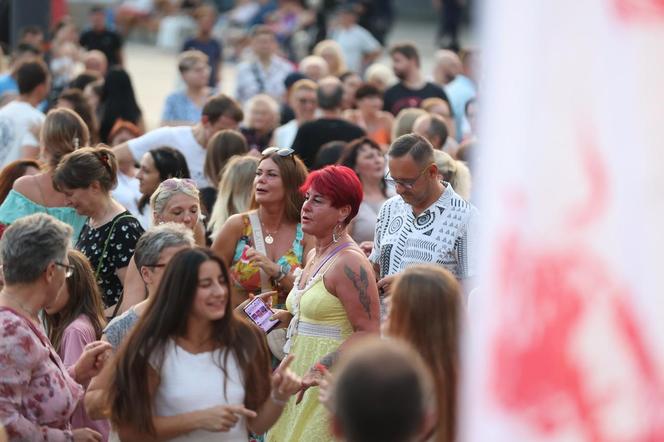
(283, 272)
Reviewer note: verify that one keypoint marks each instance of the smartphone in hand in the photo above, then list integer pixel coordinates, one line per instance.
(260, 314)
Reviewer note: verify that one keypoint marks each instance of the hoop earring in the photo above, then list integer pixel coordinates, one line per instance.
(335, 235)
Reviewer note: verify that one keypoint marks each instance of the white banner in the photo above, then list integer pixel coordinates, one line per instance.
(566, 335)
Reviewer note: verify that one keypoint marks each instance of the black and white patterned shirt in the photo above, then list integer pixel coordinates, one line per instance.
(121, 244)
(442, 234)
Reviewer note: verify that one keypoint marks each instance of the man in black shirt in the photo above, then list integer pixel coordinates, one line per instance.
(330, 127)
(412, 88)
(102, 39)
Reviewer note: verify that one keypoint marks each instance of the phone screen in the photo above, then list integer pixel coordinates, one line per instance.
(260, 314)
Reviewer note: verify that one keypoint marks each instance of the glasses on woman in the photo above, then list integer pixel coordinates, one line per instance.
(281, 151)
(69, 269)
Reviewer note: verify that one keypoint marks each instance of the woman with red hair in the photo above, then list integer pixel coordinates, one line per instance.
(334, 297)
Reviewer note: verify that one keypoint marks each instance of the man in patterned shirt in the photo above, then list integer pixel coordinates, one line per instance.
(426, 222)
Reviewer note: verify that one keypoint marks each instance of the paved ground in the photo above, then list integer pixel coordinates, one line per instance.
(154, 72)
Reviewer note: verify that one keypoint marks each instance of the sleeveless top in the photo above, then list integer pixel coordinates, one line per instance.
(190, 382)
(321, 326)
(246, 276)
(17, 205)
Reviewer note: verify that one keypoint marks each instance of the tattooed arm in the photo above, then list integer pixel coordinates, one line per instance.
(352, 281)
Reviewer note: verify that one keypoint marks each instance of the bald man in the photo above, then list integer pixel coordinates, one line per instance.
(434, 128)
(95, 61)
(448, 73)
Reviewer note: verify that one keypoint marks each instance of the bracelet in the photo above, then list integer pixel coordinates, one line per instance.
(277, 401)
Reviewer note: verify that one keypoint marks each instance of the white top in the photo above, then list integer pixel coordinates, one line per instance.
(444, 234)
(190, 382)
(16, 121)
(127, 194)
(285, 135)
(355, 42)
(180, 138)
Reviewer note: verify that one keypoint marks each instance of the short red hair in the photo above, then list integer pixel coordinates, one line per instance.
(340, 185)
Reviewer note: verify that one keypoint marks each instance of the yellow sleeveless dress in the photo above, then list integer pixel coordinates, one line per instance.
(322, 325)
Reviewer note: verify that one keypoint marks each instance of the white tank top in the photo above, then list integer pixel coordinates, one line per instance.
(191, 382)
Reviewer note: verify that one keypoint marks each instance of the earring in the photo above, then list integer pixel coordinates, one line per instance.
(335, 235)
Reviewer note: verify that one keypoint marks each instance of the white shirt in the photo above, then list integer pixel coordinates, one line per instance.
(127, 193)
(252, 78)
(190, 382)
(285, 134)
(16, 121)
(180, 138)
(443, 234)
(355, 43)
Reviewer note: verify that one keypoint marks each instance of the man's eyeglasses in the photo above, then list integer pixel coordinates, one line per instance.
(69, 269)
(281, 151)
(408, 184)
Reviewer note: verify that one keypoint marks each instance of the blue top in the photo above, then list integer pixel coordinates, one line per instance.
(17, 206)
(179, 107)
(213, 49)
(8, 84)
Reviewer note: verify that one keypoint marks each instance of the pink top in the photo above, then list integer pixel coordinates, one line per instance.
(77, 334)
(37, 393)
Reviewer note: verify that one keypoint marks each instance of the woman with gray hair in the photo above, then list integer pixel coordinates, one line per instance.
(153, 252)
(39, 392)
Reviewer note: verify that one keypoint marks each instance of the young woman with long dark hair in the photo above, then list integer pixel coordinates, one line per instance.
(192, 369)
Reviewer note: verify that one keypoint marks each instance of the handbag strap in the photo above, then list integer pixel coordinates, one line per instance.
(108, 239)
(101, 260)
(259, 245)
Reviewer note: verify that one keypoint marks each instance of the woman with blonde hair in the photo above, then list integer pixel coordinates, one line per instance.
(235, 191)
(425, 310)
(331, 52)
(454, 172)
(176, 200)
(62, 132)
(380, 76)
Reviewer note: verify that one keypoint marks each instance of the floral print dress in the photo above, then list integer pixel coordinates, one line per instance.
(37, 393)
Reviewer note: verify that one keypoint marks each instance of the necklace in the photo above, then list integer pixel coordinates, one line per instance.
(269, 239)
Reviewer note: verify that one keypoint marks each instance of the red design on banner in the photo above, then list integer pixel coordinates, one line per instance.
(547, 296)
(639, 10)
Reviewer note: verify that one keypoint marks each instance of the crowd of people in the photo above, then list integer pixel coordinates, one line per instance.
(332, 189)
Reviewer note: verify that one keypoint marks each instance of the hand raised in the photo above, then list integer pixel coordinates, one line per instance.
(285, 382)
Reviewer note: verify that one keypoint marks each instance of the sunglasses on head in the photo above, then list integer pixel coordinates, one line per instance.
(281, 151)
(174, 183)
